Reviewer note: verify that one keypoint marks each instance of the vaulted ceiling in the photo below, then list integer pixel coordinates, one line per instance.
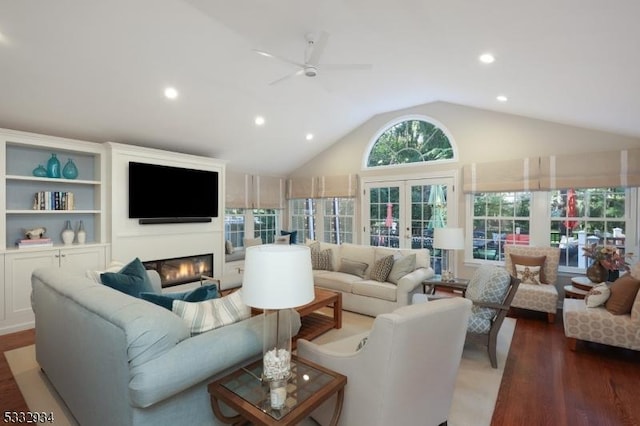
(96, 70)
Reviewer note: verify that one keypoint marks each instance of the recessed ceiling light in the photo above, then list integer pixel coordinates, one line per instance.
(309, 136)
(501, 98)
(487, 58)
(170, 93)
(259, 120)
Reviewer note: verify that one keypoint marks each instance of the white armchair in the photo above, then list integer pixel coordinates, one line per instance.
(406, 372)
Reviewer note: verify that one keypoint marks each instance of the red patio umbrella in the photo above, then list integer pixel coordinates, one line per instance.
(572, 209)
(389, 220)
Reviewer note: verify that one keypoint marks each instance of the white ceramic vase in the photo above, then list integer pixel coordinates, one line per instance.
(67, 234)
(81, 235)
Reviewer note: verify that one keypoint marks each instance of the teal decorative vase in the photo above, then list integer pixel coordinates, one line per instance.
(40, 171)
(53, 167)
(70, 171)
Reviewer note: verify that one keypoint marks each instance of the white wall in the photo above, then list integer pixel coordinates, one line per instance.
(129, 239)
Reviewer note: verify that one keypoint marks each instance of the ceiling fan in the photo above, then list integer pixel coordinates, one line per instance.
(311, 65)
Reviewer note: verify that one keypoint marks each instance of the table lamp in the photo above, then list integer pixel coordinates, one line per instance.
(276, 279)
(448, 239)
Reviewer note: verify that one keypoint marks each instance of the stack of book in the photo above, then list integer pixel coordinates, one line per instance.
(35, 242)
(53, 200)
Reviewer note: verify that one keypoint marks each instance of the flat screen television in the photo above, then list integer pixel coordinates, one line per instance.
(165, 194)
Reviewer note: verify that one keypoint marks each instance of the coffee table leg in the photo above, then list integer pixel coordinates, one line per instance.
(235, 420)
(337, 311)
(338, 408)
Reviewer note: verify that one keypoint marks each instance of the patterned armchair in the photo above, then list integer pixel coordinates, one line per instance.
(491, 289)
(537, 267)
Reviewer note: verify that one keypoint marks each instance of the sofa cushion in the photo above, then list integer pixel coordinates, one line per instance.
(488, 284)
(200, 294)
(353, 267)
(375, 289)
(597, 296)
(338, 281)
(248, 242)
(623, 294)
(132, 279)
(212, 314)
(534, 274)
(282, 239)
(228, 247)
(422, 256)
(358, 253)
(382, 268)
(321, 260)
(293, 236)
(402, 267)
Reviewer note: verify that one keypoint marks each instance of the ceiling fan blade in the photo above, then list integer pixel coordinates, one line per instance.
(316, 48)
(345, 67)
(286, 77)
(278, 58)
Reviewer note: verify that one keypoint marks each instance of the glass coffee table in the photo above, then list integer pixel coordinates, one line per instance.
(309, 386)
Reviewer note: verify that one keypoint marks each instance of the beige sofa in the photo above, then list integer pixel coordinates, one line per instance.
(362, 294)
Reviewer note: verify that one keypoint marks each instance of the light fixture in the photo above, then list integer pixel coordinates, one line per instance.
(448, 239)
(259, 120)
(309, 136)
(487, 58)
(502, 98)
(170, 93)
(276, 279)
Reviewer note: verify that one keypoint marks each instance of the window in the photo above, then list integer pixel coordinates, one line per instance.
(234, 226)
(265, 224)
(568, 218)
(499, 218)
(338, 220)
(410, 141)
(587, 216)
(333, 217)
(239, 223)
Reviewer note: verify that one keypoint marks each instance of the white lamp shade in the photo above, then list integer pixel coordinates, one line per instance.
(448, 238)
(277, 276)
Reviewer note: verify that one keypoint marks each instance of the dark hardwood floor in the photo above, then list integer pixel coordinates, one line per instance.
(544, 383)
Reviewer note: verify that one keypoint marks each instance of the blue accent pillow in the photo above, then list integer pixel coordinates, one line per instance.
(199, 294)
(293, 236)
(132, 279)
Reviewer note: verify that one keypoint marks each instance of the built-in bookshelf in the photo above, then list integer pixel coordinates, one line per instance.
(33, 201)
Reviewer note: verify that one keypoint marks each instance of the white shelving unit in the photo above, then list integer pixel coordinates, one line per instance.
(21, 154)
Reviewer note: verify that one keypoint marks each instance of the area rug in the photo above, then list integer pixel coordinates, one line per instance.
(473, 402)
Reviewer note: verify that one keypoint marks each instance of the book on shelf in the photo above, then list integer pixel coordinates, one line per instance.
(36, 242)
(53, 200)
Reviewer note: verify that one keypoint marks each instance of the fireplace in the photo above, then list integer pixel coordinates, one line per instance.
(181, 270)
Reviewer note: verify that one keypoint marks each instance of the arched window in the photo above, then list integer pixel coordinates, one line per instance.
(412, 140)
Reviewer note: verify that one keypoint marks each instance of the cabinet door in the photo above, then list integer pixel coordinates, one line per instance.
(2, 286)
(18, 270)
(82, 259)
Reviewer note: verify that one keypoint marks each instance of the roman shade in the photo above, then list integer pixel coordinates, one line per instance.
(268, 192)
(497, 176)
(301, 187)
(337, 186)
(591, 170)
(238, 190)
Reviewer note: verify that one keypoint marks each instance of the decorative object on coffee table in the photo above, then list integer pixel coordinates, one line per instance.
(277, 278)
(448, 239)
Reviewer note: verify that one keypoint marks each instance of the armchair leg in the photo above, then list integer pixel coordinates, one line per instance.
(493, 342)
(551, 317)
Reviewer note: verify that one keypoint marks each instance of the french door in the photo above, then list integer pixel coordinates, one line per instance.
(404, 213)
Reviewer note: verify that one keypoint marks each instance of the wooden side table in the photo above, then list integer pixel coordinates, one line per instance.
(578, 288)
(309, 386)
(435, 282)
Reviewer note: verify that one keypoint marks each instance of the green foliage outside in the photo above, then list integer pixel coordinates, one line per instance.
(411, 141)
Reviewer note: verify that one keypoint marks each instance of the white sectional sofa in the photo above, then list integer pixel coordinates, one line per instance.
(362, 294)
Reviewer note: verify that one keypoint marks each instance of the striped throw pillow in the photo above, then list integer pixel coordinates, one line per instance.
(212, 314)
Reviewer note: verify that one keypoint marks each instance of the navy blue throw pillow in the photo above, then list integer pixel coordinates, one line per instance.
(199, 294)
(293, 236)
(132, 279)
